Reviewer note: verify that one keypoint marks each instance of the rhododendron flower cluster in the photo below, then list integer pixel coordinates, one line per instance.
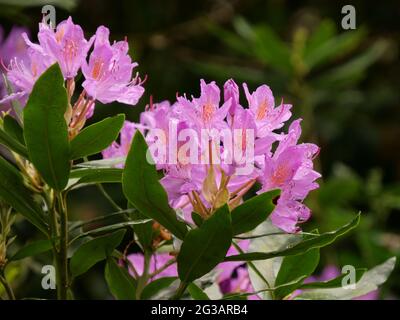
(107, 68)
(209, 183)
(274, 159)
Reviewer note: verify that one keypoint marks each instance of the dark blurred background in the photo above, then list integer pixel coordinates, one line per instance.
(343, 83)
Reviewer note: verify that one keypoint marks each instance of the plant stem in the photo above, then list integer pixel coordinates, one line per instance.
(50, 200)
(63, 282)
(108, 197)
(145, 276)
(180, 291)
(6, 285)
(165, 266)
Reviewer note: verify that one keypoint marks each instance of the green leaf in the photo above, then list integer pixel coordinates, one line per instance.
(120, 282)
(111, 227)
(143, 231)
(271, 50)
(333, 283)
(13, 129)
(370, 281)
(96, 137)
(354, 69)
(45, 129)
(252, 212)
(99, 175)
(196, 293)
(197, 219)
(302, 247)
(231, 39)
(93, 251)
(325, 31)
(74, 225)
(13, 144)
(294, 267)
(14, 192)
(334, 48)
(205, 247)
(142, 188)
(156, 286)
(103, 163)
(32, 249)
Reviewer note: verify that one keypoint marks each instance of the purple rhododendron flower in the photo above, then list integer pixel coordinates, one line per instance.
(13, 47)
(108, 75)
(231, 92)
(205, 111)
(266, 115)
(66, 45)
(23, 75)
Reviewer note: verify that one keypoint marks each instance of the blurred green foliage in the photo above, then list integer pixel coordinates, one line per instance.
(344, 84)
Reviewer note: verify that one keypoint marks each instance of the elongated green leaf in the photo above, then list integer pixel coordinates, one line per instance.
(334, 48)
(197, 219)
(120, 283)
(369, 282)
(252, 212)
(14, 192)
(93, 251)
(13, 144)
(15, 104)
(156, 286)
(314, 242)
(99, 175)
(142, 188)
(103, 163)
(203, 248)
(45, 129)
(333, 283)
(271, 50)
(99, 219)
(262, 41)
(352, 70)
(96, 137)
(324, 32)
(293, 267)
(143, 231)
(32, 249)
(111, 227)
(13, 129)
(230, 39)
(196, 293)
